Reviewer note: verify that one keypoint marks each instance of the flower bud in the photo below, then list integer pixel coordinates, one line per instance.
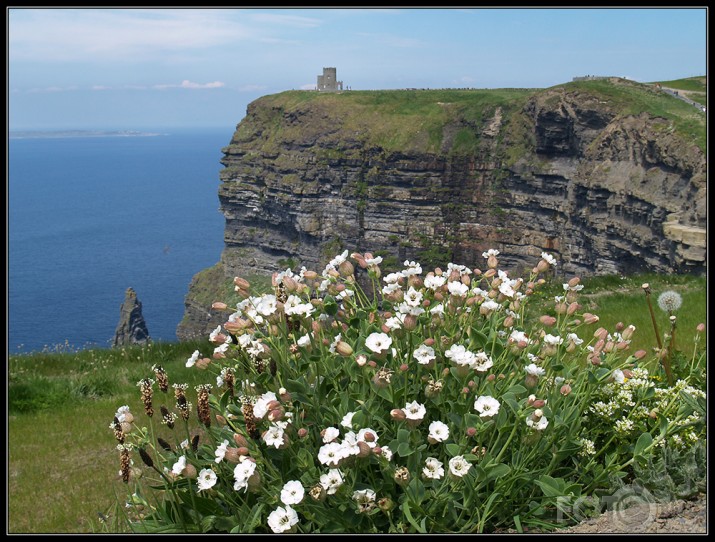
(364, 449)
(572, 308)
(242, 283)
(302, 432)
(386, 504)
(219, 306)
(700, 328)
(398, 414)
(565, 390)
(589, 318)
(240, 440)
(344, 349)
(471, 431)
(547, 320)
(317, 493)
(640, 354)
(402, 476)
(601, 333)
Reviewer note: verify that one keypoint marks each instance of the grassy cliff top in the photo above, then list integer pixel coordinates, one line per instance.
(415, 120)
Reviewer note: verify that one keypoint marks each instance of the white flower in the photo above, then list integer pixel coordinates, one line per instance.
(330, 434)
(669, 301)
(413, 268)
(274, 436)
(390, 288)
(330, 454)
(414, 411)
(438, 431)
(460, 355)
(459, 466)
(267, 305)
(282, 519)
(347, 420)
(378, 342)
(364, 495)
(518, 336)
(537, 420)
(292, 492)
(206, 480)
(386, 452)
(534, 369)
(437, 309)
(424, 354)
(221, 349)
(362, 434)
(487, 406)
(433, 468)
(490, 252)
(554, 340)
(618, 376)
(490, 305)
(179, 466)
(572, 337)
(482, 362)
(392, 278)
(260, 407)
(506, 289)
(221, 451)
(548, 258)
(377, 260)
(241, 473)
(576, 288)
(413, 298)
(434, 282)
(395, 322)
(304, 340)
(192, 360)
(331, 481)
(214, 333)
(457, 288)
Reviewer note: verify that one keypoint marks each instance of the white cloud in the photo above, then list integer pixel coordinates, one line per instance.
(101, 87)
(74, 35)
(190, 84)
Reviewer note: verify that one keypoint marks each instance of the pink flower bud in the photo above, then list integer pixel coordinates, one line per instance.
(242, 283)
(565, 389)
(700, 328)
(640, 354)
(398, 414)
(547, 320)
(302, 432)
(471, 431)
(589, 318)
(219, 306)
(344, 349)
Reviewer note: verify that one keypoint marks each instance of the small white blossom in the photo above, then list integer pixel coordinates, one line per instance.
(292, 492)
(438, 431)
(459, 466)
(487, 406)
(206, 480)
(433, 468)
(282, 519)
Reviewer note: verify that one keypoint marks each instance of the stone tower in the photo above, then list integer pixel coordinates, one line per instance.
(328, 81)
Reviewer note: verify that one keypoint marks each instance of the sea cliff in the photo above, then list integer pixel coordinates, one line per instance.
(608, 176)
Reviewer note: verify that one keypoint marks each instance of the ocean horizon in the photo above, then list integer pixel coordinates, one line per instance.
(92, 213)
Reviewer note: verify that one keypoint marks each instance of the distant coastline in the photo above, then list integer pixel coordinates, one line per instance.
(37, 134)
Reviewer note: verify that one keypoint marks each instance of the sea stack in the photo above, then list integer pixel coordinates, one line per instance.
(132, 327)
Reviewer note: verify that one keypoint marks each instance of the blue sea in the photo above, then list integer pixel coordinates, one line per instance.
(90, 216)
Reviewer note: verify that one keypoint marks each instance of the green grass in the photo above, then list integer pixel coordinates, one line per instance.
(63, 464)
(621, 299)
(634, 98)
(695, 84)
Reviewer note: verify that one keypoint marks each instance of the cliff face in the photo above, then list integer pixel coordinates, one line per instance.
(601, 185)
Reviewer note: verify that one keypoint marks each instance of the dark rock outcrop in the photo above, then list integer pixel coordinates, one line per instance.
(580, 171)
(132, 328)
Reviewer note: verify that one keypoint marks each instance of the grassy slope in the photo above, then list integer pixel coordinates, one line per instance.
(415, 120)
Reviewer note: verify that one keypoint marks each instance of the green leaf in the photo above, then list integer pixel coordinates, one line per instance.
(516, 389)
(330, 306)
(408, 514)
(497, 471)
(453, 449)
(403, 449)
(552, 487)
(403, 435)
(644, 441)
(416, 490)
(692, 402)
(385, 393)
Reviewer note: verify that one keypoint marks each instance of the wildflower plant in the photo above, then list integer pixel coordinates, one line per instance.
(433, 406)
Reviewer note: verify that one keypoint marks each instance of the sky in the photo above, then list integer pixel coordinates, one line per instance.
(151, 68)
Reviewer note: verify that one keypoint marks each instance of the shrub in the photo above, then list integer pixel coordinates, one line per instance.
(433, 407)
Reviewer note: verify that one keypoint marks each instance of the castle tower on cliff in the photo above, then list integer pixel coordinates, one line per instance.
(328, 82)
